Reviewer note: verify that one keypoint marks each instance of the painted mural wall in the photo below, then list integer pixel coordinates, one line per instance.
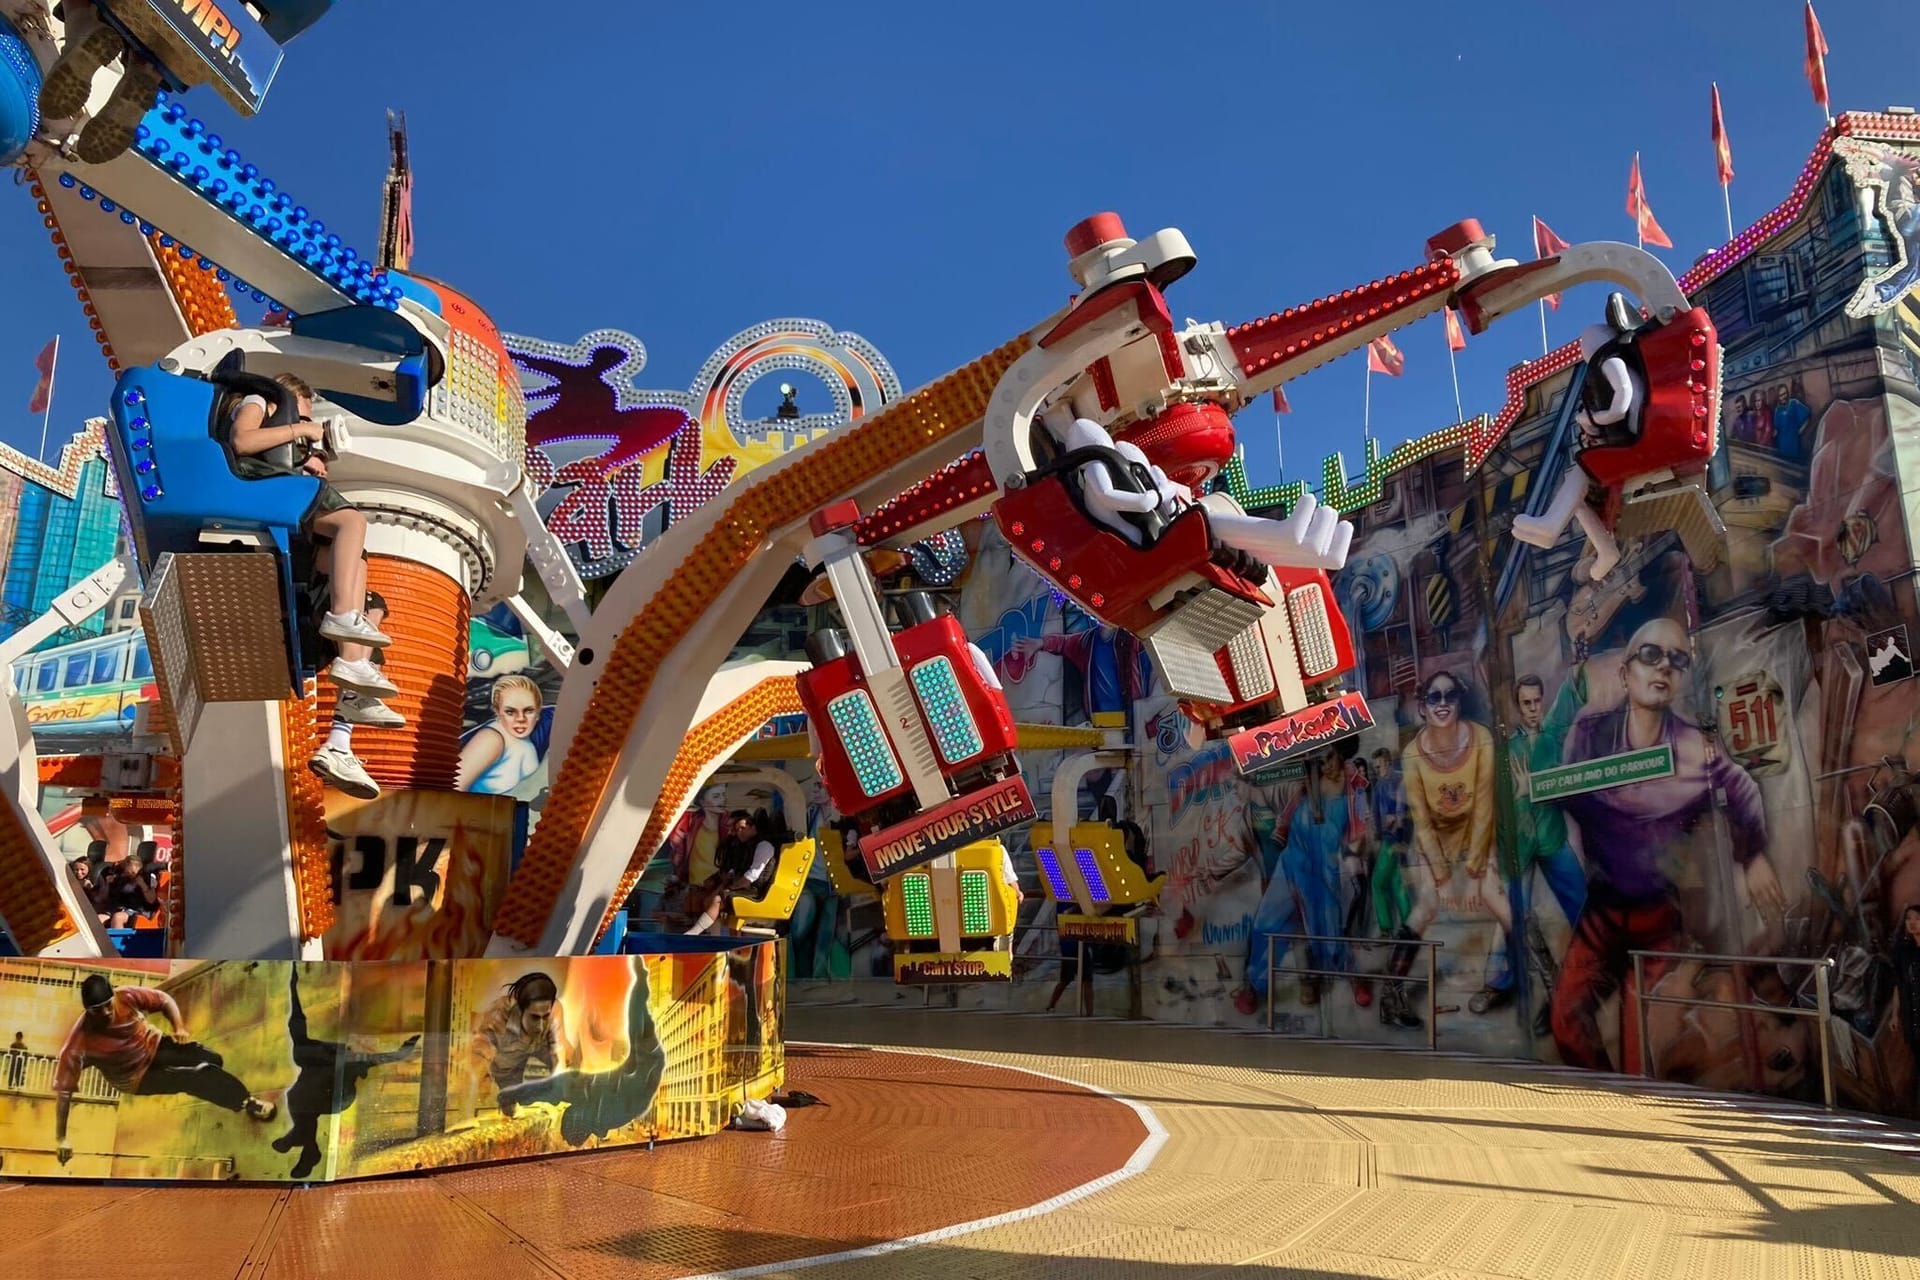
(276, 1071)
(1565, 771)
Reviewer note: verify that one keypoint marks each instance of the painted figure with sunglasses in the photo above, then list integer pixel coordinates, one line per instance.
(1450, 797)
(1636, 836)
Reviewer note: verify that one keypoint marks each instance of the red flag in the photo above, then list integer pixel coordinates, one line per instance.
(1643, 220)
(43, 391)
(1722, 149)
(1384, 357)
(1817, 60)
(1548, 245)
(1280, 404)
(1456, 340)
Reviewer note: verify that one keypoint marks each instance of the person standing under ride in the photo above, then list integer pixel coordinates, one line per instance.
(113, 1035)
(340, 537)
(1906, 972)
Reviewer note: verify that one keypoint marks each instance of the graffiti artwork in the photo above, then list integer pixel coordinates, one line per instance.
(269, 1071)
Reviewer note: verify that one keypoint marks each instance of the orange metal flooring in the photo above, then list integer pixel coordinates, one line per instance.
(1251, 1157)
(906, 1144)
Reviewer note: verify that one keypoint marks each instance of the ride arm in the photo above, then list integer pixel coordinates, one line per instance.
(70, 608)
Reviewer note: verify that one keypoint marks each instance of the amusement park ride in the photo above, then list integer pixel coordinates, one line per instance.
(1091, 439)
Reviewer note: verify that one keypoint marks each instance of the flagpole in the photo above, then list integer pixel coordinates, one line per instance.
(1726, 199)
(1279, 446)
(1544, 348)
(1366, 413)
(1459, 414)
(47, 415)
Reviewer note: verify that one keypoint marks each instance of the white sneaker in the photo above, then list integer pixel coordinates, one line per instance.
(359, 708)
(361, 677)
(353, 629)
(341, 771)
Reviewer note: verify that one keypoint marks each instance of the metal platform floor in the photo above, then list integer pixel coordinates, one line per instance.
(1235, 1155)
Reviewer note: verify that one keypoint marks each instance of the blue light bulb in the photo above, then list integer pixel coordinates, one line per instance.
(127, 218)
(213, 141)
(250, 171)
(146, 228)
(151, 492)
(137, 424)
(223, 275)
(144, 466)
(108, 206)
(201, 173)
(133, 396)
(166, 242)
(67, 181)
(141, 442)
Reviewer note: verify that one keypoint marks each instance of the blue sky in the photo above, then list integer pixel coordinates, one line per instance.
(907, 172)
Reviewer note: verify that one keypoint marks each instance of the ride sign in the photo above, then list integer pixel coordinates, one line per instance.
(951, 826)
(1309, 729)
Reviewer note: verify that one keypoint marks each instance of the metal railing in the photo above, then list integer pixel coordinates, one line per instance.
(1822, 1011)
(1431, 981)
(33, 1073)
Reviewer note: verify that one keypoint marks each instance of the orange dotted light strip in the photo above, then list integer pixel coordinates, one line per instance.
(44, 207)
(711, 739)
(29, 899)
(202, 299)
(306, 816)
(176, 906)
(857, 454)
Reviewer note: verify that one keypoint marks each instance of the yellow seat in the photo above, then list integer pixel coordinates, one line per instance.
(783, 895)
(989, 905)
(833, 847)
(1113, 879)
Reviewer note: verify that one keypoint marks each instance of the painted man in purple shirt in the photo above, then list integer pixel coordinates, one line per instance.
(1632, 834)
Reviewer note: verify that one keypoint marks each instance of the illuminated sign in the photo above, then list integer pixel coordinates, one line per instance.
(951, 826)
(617, 465)
(934, 968)
(1320, 725)
(1111, 929)
(220, 35)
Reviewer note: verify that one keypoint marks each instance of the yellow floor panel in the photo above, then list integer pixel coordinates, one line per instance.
(1296, 1159)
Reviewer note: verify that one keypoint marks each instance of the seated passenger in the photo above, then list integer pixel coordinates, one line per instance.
(88, 45)
(1310, 537)
(340, 542)
(746, 867)
(335, 762)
